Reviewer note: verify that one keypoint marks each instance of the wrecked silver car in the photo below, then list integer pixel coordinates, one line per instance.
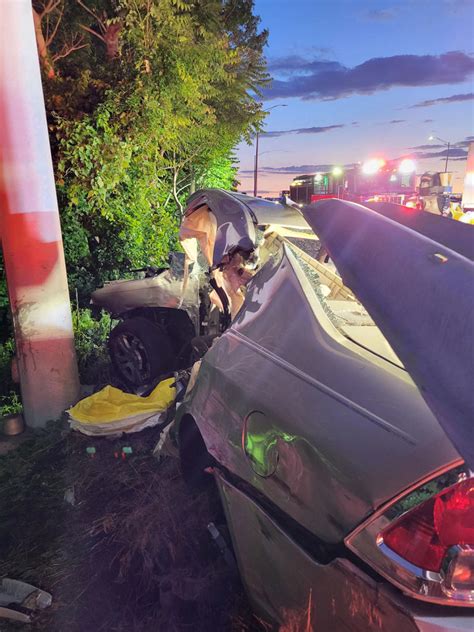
(169, 311)
(348, 506)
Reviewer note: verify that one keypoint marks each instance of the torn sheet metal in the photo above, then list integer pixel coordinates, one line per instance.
(236, 227)
(266, 212)
(237, 217)
(164, 290)
(199, 228)
(420, 294)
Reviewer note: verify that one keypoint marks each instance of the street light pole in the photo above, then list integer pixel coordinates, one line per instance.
(447, 158)
(257, 135)
(447, 144)
(255, 170)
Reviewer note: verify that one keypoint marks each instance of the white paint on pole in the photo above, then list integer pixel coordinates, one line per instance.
(20, 74)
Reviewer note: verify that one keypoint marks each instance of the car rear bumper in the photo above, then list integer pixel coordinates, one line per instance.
(291, 589)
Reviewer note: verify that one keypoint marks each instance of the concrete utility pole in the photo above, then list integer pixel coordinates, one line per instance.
(30, 231)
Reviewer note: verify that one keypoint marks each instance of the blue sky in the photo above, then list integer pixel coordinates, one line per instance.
(362, 66)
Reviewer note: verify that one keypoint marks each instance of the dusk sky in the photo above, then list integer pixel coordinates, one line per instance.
(361, 79)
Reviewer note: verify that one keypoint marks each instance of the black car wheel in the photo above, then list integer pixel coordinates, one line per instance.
(140, 351)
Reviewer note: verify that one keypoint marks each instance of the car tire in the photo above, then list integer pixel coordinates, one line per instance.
(140, 351)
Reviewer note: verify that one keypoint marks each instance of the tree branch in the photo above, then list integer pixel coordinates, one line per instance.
(175, 192)
(184, 188)
(50, 38)
(96, 17)
(67, 49)
(167, 200)
(41, 45)
(49, 7)
(89, 30)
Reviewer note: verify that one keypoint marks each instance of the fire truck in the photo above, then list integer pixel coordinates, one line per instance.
(391, 181)
(376, 179)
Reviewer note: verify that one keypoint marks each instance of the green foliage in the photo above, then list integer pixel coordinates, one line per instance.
(10, 404)
(5, 318)
(146, 100)
(9, 399)
(134, 133)
(221, 173)
(91, 335)
(7, 351)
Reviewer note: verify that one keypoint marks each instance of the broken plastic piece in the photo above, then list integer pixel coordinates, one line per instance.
(221, 544)
(166, 445)
(70, 496)
(18, 599)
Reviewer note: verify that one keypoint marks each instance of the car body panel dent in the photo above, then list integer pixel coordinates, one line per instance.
(330, 412)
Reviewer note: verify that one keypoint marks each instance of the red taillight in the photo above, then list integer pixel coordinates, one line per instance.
(454, 514)
(424, 535)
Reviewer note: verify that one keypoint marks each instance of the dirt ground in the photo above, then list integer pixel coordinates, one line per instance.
(122, 545)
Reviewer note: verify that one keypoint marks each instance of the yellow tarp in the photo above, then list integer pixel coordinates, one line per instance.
(111, 404)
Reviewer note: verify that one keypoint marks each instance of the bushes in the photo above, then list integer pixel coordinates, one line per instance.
(7, 351)
(135, 125)
(9, 399)
(10, 404)
(91, 337)
(134, 132)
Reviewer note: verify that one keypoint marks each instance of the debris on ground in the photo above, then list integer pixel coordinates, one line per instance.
(121, 543)
(111, 411)
(166, 445)
(18, 600)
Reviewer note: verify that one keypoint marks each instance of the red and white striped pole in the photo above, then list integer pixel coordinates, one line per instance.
(30, 231)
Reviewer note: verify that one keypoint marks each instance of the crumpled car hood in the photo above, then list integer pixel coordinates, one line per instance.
(420, 293)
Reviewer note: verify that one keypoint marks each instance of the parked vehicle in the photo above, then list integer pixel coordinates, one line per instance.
(348, 506)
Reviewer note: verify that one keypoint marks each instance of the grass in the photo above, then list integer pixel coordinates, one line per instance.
(131, 554)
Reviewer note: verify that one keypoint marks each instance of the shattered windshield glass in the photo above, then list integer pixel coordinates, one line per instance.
(346, 314)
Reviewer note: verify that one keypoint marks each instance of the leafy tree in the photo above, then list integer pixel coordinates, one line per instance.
(146, 100)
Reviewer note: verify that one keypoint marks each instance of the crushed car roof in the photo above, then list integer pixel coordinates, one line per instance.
(238, 216)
